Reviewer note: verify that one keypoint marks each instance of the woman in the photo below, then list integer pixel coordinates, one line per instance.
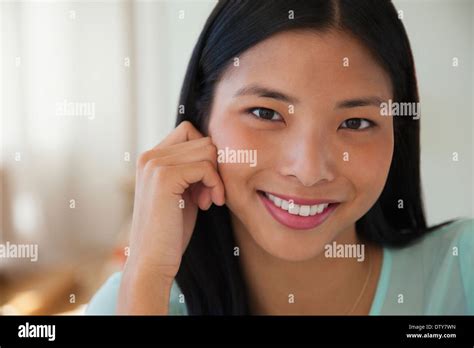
(328, 218)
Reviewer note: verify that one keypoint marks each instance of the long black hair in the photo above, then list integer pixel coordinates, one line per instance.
(210, 276)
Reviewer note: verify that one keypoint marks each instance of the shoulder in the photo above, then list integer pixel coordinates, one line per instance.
(434, 274)
(458, 234)
(104, 302)
(453, 239)
(450, 246)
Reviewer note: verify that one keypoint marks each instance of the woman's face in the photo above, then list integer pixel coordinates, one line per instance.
(309, 105)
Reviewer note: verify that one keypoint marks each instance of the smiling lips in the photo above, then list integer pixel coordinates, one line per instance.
(297, 209)
(297, 213)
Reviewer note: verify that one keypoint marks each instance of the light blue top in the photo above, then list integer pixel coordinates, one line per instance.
(433, 276)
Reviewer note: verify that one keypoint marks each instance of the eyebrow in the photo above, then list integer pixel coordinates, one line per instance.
(358, 102)
(265, 92)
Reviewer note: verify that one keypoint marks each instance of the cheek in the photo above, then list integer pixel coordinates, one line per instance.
(368, 170)
(228, 133)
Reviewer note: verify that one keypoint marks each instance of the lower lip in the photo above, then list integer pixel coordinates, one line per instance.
(296, 222)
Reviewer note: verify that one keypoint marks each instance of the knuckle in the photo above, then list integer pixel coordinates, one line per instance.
(211, 150)
(207, 165)
(152, 165)
(185, 125)
(160, 173)
(143, 159)
(207, 140)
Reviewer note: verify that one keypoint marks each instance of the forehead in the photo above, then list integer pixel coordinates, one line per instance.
(309, 64)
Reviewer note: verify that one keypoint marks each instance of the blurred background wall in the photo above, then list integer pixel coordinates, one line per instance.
(87, 86)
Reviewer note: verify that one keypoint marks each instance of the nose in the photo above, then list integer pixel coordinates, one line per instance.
(307, 157)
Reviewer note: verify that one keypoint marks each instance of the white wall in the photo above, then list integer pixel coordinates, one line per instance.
(164, 38)
(440, 30)
(51, 52)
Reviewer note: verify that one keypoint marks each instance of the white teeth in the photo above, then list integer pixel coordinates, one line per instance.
(277, 201)
(296, 209)
(304, 210)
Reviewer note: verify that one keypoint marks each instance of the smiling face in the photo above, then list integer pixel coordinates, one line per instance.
(309, 104)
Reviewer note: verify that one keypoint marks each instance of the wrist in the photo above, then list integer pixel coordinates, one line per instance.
(144, 291)
(146, 274)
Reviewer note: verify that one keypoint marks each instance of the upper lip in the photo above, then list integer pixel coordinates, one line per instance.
(302, 201)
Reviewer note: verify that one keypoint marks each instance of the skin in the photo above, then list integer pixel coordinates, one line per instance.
(301, 154)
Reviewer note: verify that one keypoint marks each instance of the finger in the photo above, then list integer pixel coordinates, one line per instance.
(200, 172)
(185, 131)
(205, 198)
(181, 148)
(194, 194)
(200, 195)
(197, 154)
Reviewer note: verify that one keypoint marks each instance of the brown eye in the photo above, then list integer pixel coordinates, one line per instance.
(357, 123)
(266, 114)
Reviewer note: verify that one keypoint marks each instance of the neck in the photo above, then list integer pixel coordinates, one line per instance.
(318, 286)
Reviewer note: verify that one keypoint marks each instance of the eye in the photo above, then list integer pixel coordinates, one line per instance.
(357, 124)
(265, 114)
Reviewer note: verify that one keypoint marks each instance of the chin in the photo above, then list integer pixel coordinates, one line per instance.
(300, 256)
(295, 246)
